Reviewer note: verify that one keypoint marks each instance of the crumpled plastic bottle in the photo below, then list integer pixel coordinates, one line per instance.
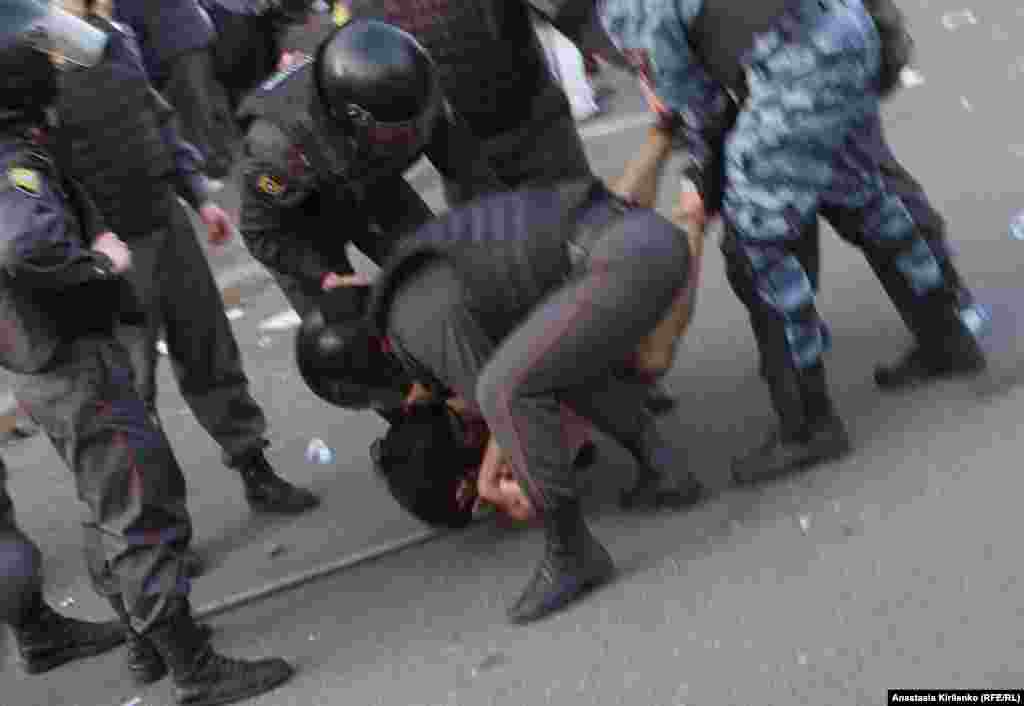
(1017, 227)
(319, 452)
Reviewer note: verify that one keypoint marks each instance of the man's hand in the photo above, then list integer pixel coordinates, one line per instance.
(114, 248)
(333, 280)
(497, 484)
(218, 226)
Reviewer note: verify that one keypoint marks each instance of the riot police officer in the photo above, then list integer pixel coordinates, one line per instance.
(177, 39)
(517, 304)
(328, 141)
(62, 296)
(118, 138)
(805, 80)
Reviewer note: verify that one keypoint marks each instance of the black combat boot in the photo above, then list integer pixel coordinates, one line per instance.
(203, 677)
(145, 665)
(268, 492)
(944, 347)
(809, 432)
(574, 562)
(657, 485)
(46, 639)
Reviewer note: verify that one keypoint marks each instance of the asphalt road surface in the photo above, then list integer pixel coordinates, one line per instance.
(897, 567)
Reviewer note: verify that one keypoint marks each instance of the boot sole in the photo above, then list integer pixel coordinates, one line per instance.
(586, 587)
(802, 465)
(41, 665)
(664, 501)
(252, 691)
(264, 508)
(917, 382)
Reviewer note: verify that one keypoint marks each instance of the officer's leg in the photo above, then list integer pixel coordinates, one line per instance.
(574, 338)
(206, 120)
(20, 563)
(140, 340)
(807, 249)
(127, 475)
(913, 264)
(208, 366)
(781, 158)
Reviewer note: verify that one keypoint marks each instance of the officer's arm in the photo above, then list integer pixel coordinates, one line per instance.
(274, 179)
(189, 180)
(695, 106)
(458, 155)
(43, 252)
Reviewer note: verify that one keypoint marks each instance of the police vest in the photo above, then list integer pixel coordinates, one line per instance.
(724, 32)
(285, 101)
(510, 250)
(110, 139)
(487, 53)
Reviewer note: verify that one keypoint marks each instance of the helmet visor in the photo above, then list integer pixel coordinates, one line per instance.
(51, 30)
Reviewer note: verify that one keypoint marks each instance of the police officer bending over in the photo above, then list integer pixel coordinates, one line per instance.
(517, 304)
(62, 296)
(329, 140)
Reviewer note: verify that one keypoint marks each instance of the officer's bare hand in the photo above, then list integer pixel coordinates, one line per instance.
(218, 225)
(333, 280)
(114, 248)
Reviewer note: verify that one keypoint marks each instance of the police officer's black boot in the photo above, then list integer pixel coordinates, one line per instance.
(145, 665)
(268, 492)
(46, 639)
(944, 347)
(657, 485)
(574, 562)
(203, 677)
(809, 432)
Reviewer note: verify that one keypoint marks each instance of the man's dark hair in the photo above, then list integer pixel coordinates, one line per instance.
(422, 461)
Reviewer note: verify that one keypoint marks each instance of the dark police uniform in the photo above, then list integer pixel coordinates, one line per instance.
(118, 138)
(176, 37)
(494, 72)
(61, 303)
(528, 300)
(300, 210)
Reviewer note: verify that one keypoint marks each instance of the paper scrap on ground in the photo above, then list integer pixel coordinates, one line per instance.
(956, 20)
(282, 322)
(910, 77)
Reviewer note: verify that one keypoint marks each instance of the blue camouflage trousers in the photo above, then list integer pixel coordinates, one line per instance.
(807, 141)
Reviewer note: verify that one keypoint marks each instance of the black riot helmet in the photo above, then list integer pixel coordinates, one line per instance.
(379, 91)
(342, 359)
(31, 31)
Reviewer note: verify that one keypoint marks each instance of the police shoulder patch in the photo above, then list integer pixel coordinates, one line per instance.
(270, 185)
(25, 180)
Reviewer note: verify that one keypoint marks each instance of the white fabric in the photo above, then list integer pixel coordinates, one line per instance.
(566, 64)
